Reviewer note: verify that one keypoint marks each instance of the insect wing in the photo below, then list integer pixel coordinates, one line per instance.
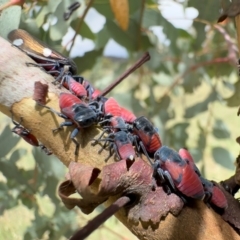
(187, 157)
(38, 50)
(28, 43)
(174, 170)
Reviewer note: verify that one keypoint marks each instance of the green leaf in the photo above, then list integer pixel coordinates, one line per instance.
(17, 155)
(49, 165)
(102, 38)
(9, 19)
(134, 6)
(201, 143)
(220, 129)
(234, 100)
(145, 42)
(85, 31)
(155, 62)
(88, 60)
(58, 30)
(176, 135)
(208, 11)
(7, 141)
(41, 17)
(172, 34)
(104, 8)
(200, 107)
(127, 39)
(30, 25)
(197, 154)
(53, 4)
(50, 188)
(151, 17)
(162, 111)
(223, 157)
(228, 85)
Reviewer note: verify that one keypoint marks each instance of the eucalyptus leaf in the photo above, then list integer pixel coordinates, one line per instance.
(104, 8)
(85, 30)
(201, 142)
(208, 11)
(9, 19)
(234, 100)
(88, 60)
(176, 136)
(220, 129)
(127, 39)
(102, 38)
(223, 157)
(201, 106)
(7, 141)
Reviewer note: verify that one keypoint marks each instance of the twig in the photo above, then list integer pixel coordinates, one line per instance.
(79, 25)
(138, 64)
(230, 185)
(102, 217)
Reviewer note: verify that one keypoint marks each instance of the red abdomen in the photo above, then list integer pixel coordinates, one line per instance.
(76, 88)
(127, 115)
(154, 144)
(185, 155)
(126, 151)
(191, 184)
(151, 142)
(28, 137)
(218, 198)
(111, 107)
(96, 93)
(67, 100)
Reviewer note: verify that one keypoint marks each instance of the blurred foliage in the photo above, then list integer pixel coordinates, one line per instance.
(188, 89)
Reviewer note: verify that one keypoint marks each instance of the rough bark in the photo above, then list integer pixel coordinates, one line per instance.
(16, 90)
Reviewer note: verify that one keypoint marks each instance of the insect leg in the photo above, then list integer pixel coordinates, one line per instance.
(73, 135)
(62, 125)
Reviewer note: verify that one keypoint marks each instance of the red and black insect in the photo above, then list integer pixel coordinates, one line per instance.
(27, 136)
(127, 115)
(24, 133)
(114, 123)
(86, 84)
(121, 143)
(78, 112)
(185, 155)
(95, 93)
(75, 87)
(111, 108)
(171, 168)
(213, 194)
(147, 136)
(73, 7)
(50, 60)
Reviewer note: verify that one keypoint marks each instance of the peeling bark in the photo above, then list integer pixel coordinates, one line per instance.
(195, 221)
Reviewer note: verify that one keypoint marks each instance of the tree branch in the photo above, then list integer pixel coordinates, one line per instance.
(16, 91)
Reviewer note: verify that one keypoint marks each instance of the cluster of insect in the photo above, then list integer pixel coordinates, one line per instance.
(125, 134)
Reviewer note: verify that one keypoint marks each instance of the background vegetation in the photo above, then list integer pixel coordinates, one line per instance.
(188, 90)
